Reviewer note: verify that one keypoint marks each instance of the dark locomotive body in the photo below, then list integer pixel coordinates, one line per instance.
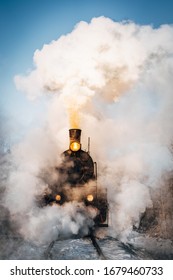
(78, 181)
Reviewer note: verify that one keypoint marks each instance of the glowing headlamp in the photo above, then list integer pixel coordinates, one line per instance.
(75, 146)
(90, 197)
(58, 197)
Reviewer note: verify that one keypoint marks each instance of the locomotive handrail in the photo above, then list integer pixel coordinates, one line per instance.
(95, 169)
(88, 145)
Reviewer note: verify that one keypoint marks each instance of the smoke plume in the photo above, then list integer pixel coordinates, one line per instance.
(114, 81)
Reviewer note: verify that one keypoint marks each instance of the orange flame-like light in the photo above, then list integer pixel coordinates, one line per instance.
(90, 197)
(58, 197)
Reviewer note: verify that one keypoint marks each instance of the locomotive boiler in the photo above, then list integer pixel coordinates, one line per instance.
(77, 180)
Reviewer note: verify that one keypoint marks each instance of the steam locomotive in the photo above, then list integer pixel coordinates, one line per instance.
(77, 181)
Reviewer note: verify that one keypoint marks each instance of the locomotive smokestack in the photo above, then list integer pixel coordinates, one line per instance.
(74, 135)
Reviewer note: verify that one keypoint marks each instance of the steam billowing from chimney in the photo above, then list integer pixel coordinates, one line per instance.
(113, 80)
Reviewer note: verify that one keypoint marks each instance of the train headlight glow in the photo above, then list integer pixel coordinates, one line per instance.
(58, 197)
(75, 146)
(90, 197)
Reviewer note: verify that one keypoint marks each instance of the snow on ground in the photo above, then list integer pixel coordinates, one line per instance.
(158, 248)
(74, 249)
(139, 246)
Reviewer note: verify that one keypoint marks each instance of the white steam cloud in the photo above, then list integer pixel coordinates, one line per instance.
(114, 81)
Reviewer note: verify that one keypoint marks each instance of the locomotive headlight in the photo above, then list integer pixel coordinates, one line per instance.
(90, 197)
(58, 197)
(75, 146)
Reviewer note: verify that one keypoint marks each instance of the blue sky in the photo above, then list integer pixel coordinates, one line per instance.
(26, 25)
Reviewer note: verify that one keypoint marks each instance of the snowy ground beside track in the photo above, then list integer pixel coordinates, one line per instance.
(139, 247)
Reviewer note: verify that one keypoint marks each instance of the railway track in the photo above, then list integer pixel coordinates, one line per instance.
(93, 241)
(47, 252)
(94, 246)
(97, 247)
(90, 247)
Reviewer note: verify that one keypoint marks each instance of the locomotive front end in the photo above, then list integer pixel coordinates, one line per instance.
(78, 180)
